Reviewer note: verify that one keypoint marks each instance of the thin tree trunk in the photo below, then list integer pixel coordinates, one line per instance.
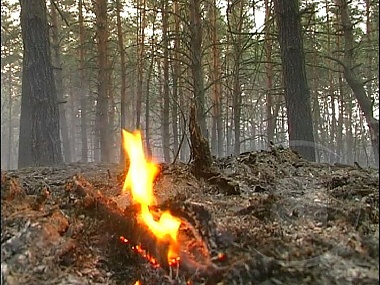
(339, 135)
(140, 61)
(316, 112)
(175, 75)
(196, 63)
(217, 121)
(369, 43)
(353, 78)
(271, 119)
(103, 80)
(72, 118)
(348, 127)
(166, 97)
(235, 29)
(83, 89)
(228, 124)
(57, 65)
(111, 114)
(147, 99)
(10, 126)
(331, 90)
(147, 107)
(123, 106)
(183, 96)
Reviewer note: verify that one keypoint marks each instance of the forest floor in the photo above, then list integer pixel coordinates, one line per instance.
(287, 221)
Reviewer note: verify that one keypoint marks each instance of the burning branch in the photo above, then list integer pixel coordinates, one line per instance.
(193, 254)
(166, 241)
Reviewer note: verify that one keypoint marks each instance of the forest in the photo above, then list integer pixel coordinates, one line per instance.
(138, 65)
(196, 142)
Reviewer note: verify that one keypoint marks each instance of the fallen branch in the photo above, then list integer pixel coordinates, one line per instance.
(194, 256)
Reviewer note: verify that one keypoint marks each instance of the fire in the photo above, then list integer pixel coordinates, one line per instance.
(139, 181)
(142, 252)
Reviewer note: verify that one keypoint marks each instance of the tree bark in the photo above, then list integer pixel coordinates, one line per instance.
(331, 93)
(339, 135)
(123, 75)
(10, 127)
(103, 79)
(271, 118)
(297, 94)
(83, 89)
(59, 84)
(235, 14)
(214, 71)
(140, 59)
(147, 107)
(176, 75)
(200, 151)
(196, 35)
(166, 111)
(353, 78)
(217, 121)
(39, 142)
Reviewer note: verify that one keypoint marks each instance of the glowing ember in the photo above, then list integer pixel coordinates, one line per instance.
(138, 283)
(142, 252)
(139, 181)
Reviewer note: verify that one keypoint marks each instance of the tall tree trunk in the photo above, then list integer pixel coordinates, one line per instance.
(316, 112)
(39, 142)
(369, 43)
(228, 126)
(196, 62)
(123, 87)
(217, 121)
(184, 95)
(111, 114)
(297, 94)
(271, 119)
(140, 59)
(235, 14)
(353, 78)
(57, 65)
(102, 99)
(166, 111)
(339, 134)
(147, 105)
(331, 90)
(72, 117)
(348, 127)
(175, 75)
(10, 126)
(83, 86)
(237, 109)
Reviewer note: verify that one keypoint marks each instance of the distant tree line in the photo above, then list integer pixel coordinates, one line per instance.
(298, 73)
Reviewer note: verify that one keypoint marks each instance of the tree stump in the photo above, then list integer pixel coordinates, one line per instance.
(200, 150)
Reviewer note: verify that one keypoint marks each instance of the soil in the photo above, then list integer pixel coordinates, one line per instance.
(270, 217)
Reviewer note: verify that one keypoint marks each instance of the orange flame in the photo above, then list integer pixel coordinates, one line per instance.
(139, 180)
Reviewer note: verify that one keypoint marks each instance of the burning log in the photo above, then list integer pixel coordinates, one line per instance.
(193, 255)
